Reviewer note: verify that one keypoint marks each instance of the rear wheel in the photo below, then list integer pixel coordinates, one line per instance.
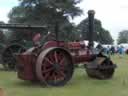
(54, 67)
(9, 58)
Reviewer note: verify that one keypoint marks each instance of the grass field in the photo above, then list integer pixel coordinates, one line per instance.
(79, 85)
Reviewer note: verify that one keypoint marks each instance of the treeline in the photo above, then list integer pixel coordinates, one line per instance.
(48, 12)
(123, 37)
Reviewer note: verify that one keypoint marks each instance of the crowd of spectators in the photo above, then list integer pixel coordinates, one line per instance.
(111, 50)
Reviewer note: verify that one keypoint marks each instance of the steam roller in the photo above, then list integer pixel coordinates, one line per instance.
(53, 62)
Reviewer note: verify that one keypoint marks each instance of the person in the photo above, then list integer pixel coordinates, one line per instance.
(105, 50)
(36, 39)
(108, 50)
(121, 51)
(112, 50)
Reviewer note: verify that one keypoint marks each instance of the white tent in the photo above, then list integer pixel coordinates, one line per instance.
(95, 43)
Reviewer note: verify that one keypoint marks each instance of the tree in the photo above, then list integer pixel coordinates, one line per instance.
(123, 37)
(105, 37)
(45, 12)
(68, 32)
(101, 35)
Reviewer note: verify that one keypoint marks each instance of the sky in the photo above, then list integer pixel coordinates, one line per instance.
(112, 13)
(5, 7)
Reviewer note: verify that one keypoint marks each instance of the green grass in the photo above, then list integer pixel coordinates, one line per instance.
(79, 85)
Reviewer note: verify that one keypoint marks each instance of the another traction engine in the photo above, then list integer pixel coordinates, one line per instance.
(53, 63)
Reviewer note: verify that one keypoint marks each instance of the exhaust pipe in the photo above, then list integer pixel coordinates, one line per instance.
(91, 14)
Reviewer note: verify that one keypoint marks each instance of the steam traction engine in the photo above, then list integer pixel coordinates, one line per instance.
(53, 63)
(8, 50)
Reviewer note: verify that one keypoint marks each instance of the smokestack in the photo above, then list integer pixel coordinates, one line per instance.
(91, 14)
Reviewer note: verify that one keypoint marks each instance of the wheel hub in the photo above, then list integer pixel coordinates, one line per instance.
(56, 67)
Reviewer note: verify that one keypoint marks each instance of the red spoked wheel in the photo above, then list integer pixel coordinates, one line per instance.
(54, 67)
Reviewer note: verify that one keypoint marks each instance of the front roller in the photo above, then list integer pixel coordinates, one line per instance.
(54, 67)
(101, 68)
